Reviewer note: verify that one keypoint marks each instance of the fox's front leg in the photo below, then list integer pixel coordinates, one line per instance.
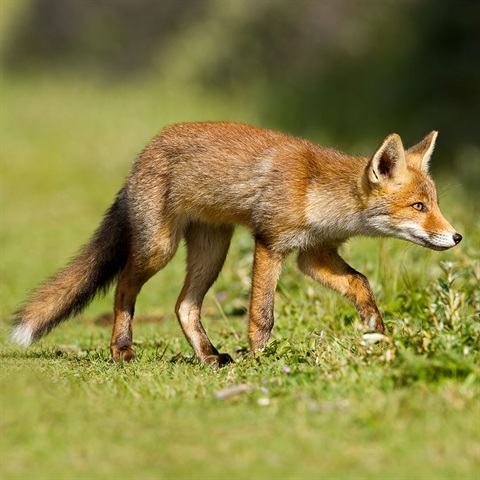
(267, 265)
(329, 269)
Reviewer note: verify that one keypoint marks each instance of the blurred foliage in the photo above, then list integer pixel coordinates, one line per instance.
(118, 36)
(358, 68)
(342, 72)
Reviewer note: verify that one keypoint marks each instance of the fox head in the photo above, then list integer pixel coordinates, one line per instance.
(401, 197)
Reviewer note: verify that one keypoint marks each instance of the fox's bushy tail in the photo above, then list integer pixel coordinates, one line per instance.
(88, 274)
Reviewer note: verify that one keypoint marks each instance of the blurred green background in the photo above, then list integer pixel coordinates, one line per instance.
(344, 73)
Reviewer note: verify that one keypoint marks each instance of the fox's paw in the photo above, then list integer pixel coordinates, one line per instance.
(379, 327)
(126, 354)
(218, 360)
(374, 324)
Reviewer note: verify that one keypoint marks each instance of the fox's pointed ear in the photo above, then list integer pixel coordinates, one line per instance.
(420, 154)
(388, 162)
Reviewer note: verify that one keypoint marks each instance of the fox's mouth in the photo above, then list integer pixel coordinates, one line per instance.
(433, 246)
(431, 242)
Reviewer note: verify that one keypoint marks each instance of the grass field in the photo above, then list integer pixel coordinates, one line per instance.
(319, 402)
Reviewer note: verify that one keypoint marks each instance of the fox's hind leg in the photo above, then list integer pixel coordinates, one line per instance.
(207, 247)
(129, 285)
(328, 268)
(148, 254)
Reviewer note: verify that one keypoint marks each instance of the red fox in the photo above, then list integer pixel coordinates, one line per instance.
(198, 180)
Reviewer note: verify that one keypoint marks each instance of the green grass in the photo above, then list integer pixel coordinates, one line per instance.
(319, 402)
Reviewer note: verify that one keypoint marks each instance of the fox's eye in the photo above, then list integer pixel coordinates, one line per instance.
(419, 206)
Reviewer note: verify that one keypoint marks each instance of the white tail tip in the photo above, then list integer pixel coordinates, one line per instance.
(23, 335)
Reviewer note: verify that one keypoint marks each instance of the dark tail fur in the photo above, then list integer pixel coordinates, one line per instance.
(90, 273)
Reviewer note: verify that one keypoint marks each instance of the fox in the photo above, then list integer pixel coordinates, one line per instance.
(198, 181)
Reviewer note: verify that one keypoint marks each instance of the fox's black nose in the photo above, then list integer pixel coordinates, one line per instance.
(457, 238)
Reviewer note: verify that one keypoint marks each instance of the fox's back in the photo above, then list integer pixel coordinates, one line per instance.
(232, 173)
(222, 170)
